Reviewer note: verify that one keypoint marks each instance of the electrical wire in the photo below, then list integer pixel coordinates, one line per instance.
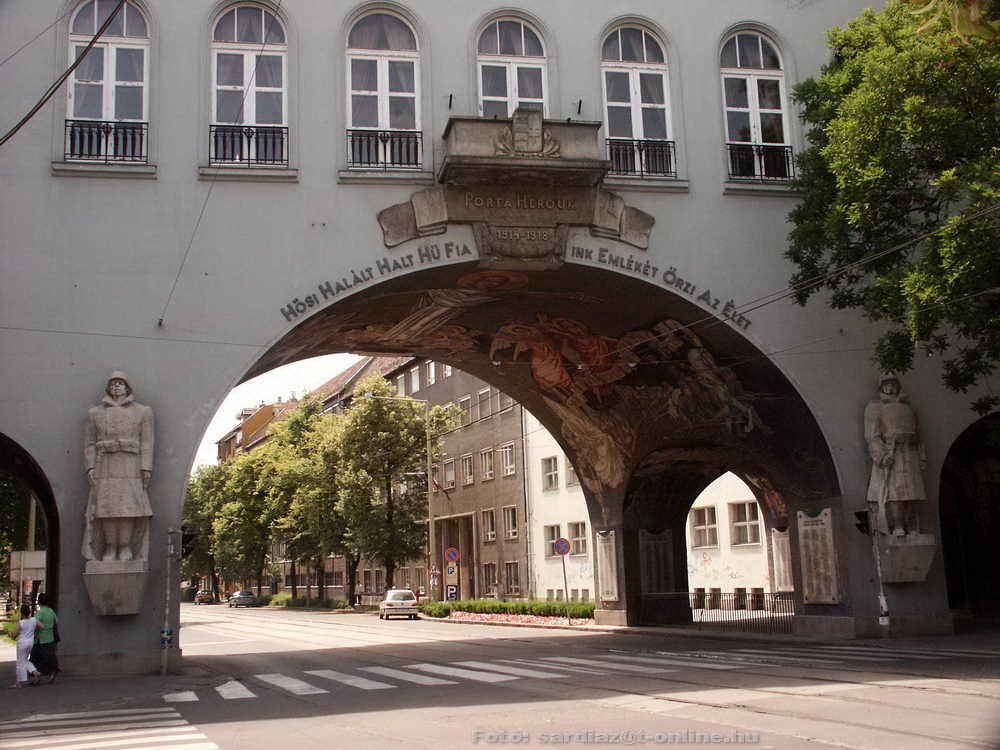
(788, 291)
(211, 184)
(36, 37)
(62, 79)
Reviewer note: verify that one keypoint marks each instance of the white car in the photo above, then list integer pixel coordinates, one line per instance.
(398, 602)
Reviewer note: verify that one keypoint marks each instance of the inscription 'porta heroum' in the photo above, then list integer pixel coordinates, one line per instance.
(520, 202)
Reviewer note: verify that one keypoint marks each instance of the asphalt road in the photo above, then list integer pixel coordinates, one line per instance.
(275, 679)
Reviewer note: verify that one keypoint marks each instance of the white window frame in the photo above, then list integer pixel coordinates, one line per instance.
(486, 464)
(552, 532)
(572, 478)
(504, 402)
(430, 373)
(510, 64)
(401, 385)
(465, 409)
(250, 51)
(753, 108)
(508, 461)
(435, 477)
(446, 371)
(510, 521)
(448, 469)
(108, 47)
(550, 476)
(751, 525)
(415, 379)
(578, 540)
(488, 519)
(704, 522)
(468, 470)
(382, 59)
(489, 570)
(634, 70)
(512, 588)
(480, 403)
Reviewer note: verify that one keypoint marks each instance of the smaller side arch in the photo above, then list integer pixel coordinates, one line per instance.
(17, 462)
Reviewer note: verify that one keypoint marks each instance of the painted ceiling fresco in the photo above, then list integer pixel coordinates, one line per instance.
(626, 381)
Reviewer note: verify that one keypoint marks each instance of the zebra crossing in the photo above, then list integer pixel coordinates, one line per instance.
(509, 670)
(121, 729)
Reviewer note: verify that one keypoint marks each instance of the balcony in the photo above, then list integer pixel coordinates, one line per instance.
(756, 163)
(248, 145)
(106, 142)
(633, 158)
(386, 150)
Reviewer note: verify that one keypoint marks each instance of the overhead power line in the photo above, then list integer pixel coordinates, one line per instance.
(62, 79)
(35, 38)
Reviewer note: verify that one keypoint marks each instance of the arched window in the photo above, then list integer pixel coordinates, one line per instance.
(512, 70)
(107, 102)
(636, 100)
(383, 101)
(249, 88)
(753, 88)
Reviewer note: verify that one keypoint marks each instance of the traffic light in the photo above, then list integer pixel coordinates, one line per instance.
(863, 522)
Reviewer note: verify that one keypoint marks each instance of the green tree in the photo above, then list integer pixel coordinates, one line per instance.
(205, 495)
(243, 525)
(900, 186)
(302, 487)
(380, 456)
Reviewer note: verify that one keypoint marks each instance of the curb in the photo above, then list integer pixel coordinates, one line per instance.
(654, 632)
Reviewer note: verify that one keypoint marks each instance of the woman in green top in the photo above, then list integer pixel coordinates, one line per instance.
(43, 655)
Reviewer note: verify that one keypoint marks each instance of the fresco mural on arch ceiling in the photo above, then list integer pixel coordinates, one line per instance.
(606, 390)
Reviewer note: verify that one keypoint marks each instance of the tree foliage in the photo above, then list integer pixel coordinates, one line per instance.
(350, 484)
(381, 459)
(900, 187)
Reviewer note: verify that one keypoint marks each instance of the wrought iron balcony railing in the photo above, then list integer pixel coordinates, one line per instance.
(757, 163)
(248, 145)
(385, 149)
(106, 141)
(642, 158)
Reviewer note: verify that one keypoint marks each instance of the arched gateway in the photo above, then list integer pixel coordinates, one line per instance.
(608, 286)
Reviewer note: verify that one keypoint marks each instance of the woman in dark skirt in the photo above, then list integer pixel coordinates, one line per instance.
(43, 655)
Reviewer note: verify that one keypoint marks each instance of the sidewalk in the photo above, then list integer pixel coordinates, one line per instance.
(985, 638)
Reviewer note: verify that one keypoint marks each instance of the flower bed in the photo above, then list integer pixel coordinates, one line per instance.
(519, 619)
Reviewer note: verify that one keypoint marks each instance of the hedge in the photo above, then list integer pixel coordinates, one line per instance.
(284, 599)
(578, 610)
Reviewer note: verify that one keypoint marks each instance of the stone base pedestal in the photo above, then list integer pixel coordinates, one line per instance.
(907, 559)
(610, 617)
(824, 627)
(120, 662)
(116, 587)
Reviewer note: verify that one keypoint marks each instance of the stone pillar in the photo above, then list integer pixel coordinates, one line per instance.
(610, 564)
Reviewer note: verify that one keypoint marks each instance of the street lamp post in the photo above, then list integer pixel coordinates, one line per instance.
(431, 536)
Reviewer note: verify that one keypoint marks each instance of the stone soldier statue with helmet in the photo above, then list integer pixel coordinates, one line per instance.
(896, 484)
(119, 457)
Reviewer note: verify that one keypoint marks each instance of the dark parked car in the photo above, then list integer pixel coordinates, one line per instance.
(241, 599)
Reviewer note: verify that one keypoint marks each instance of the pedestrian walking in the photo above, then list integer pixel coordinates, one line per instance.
(43, 655)
(25, 634)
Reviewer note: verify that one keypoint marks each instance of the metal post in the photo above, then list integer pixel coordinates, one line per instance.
(569, 620)
(166, 636)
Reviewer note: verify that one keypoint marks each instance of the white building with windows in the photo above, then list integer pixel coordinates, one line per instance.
(556, 508)
(728, 550)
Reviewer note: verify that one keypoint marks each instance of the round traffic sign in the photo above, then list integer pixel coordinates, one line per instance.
(561, 546)
(452, 554)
